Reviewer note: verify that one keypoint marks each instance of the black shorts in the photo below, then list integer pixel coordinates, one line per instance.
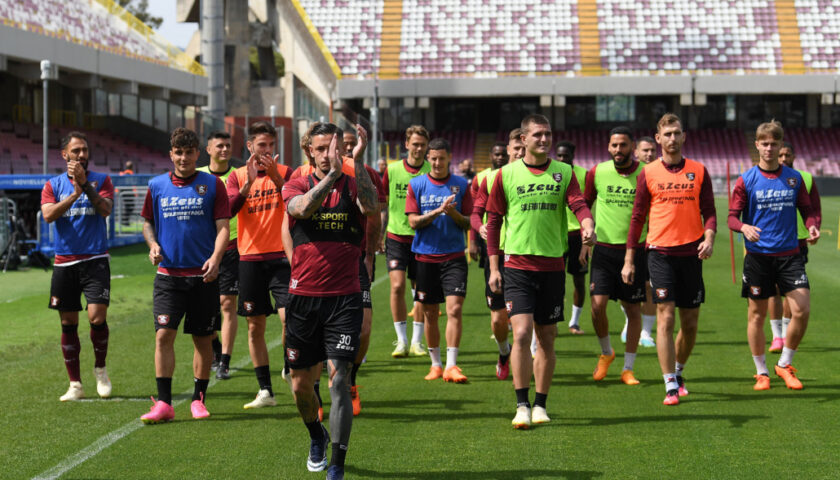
(495, 301)
(400, 257)
(258, 279)
(538, 293)
(318, 328)
(762, 273)
(676, 279)
(483, 256)
(229, 273)
(175, 297)
(573, 266)
(364, 282)
(436, 281)
(803, 252)
(605, 277)
(91, 277)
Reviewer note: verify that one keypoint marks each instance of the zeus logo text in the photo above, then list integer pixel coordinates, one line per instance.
(538, 187)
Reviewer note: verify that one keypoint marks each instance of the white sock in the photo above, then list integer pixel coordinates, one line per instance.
(625, 315)
(647, 323)
(776, 327)
(451, 356)
(787, 357)
(760, 365)
(533, 343)
(504, 347)
(576, 311)
(606, 348)
(629, 360)
(417, 332)
(785, 322)
(678, 368)
(670, 382)
(400, 327)
(434, 354)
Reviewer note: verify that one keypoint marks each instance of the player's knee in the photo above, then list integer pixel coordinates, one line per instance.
(454, 311)
(340, 376)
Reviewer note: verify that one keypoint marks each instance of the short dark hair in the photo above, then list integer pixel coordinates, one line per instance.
(533, 118)
(70, 136)
(440, 144)
(259, 128)
(515, 134)
(568, 145)
(183, 138)
(218, 134)
(789, 146)
(498, 144)
(319, 128)
(622, 130)
(646, 139)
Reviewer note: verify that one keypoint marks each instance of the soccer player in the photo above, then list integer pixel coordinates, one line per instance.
(530, 196)
(186, 228)
(219, 149)
(499, 320)
(676, 194)
(645, 153)
(575, 260)
(400, 235)
(438, 205)
(326, 212)
(763, 208)
(611, 188)
(254, 195)
(780, 313)
(78, 202)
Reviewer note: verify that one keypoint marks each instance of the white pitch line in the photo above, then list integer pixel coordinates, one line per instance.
(113, 437)
(378, 281)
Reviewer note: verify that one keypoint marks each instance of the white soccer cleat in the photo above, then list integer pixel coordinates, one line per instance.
(539, 415)
(75, 392)
(522, 420)
(103, 383)
(264, 399)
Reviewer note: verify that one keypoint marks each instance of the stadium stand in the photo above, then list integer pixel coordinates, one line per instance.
(819, 33)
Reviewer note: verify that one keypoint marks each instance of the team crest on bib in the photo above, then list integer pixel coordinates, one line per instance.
(558, 177)
(201, 189)
(93, 184)
(292, 354)
(755, 290)
(163, 319)
(689, 175)
(661, 292)
(791, 182)
(454, 189)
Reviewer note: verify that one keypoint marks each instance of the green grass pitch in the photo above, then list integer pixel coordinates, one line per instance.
(413, 429)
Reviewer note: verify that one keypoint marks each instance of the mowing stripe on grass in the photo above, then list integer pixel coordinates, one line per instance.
(111, 438)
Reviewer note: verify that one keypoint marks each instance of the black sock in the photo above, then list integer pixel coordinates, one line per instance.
(315, 430)
(522, 397)
(339, 452)
(164, 387)
(264, 378)
(70, 328)
(318, 393)
(99, 327)
(225, 360)
(353, 373)
(217, 348)
(200, 388)
(539, 399)
(504, 358)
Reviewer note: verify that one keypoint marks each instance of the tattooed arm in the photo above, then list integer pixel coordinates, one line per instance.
(367, 196)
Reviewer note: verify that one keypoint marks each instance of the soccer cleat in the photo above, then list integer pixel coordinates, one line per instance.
(317, 459)
(539, 415)
(75, 392)
(263, 399)
(762, 382)
(522, 420)
(434, 373)
(777, 345)
(417, 350)
(453, 374)
(335, 473)
(646, 340)
(503, 369)
(217, 360)
(401, 351)
(604, 362)
(671, 398)
(159, 413)
(788, 374)
(103, 383)
(624, 334)
(223, 373)
(357, 400)
(681, 382)
(575, 330)
(198, 409)
(628, 378)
